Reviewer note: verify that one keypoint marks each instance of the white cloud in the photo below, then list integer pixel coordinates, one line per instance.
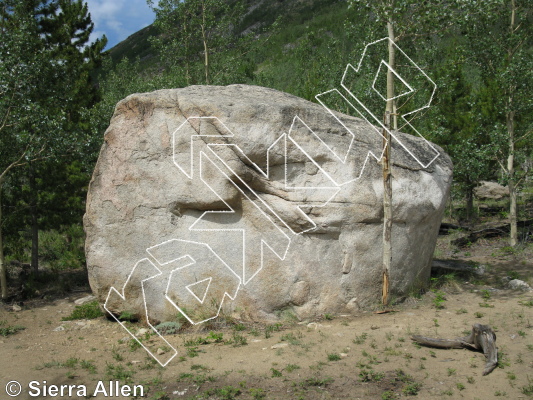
(119, 18)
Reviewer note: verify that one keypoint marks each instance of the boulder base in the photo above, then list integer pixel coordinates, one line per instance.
(250, 201)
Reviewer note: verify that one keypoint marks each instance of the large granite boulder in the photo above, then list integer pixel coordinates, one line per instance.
(250, 201)
(491, 190)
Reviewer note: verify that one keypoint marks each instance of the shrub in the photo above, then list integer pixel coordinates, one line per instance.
(86, 311)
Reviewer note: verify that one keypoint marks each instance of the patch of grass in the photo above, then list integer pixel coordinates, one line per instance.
(257, 393)
(478, 314)
(513, 275)
(438, 301)
(272, 328)
(411, 389)
(315, 381)
(334, 357)
(369, 375)
(199, 367)
(10, 330)
(224, 393)
(470, 379)
(72, 362)
(86, 311)
(161, 395)
(239, 327)
(485, 294)
(528, 389)
(388, 395)
(116, 355)
(217, 337)
(49, 364)
(451, 371)
(202, 378)
(503, 358)
(128, 316)
(119, 372)
(134, 344)
(328, 316)
(192, 352)
(291, 338)
(527, 303)
(291, 367)
(276, 373)
(389, 351)
(361, 338)
(238, 340)
(486, 305)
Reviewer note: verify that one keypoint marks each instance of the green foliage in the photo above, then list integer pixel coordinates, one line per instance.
(217, 337)
(168, 328)
(10, 329)
(224, 393)
(438, 300)
(361, 338)
(315, 381)
(528, 389)
(46, 89)
(63, 250)
(257, 393)
(195, 30)
(119, 372)
(238, 340)
(369, 375)
(388, 395)
(127, 316)
(86, 311)
(291, 367)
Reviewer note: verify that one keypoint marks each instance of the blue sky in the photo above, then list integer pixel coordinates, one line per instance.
(118, 19)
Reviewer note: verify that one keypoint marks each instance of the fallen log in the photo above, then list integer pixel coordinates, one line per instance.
(456, 266)
(446, 227)
(495, 231)
(482, 338)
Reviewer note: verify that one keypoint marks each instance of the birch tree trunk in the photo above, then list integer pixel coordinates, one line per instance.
(511, 137)
(386, 166)
(512, 187)
(204, 39)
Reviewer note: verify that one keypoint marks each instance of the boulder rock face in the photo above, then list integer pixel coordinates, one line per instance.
(254, 202)
(491, 190)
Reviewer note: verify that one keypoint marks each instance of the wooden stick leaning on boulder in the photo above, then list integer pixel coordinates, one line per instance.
(481, 338)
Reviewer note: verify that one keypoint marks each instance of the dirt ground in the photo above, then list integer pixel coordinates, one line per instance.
(365, 356)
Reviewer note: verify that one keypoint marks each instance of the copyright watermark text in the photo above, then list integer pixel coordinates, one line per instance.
(103, 388)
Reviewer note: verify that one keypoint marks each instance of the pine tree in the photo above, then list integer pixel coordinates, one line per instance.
(45, 88)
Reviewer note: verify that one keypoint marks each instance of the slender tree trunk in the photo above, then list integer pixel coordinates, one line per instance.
(34, 223)
(3, 267)
(511, 183)
(469, 202)
(510, 132)
(206, 49)
(387, 170)
(387, 210)
(186, 45)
